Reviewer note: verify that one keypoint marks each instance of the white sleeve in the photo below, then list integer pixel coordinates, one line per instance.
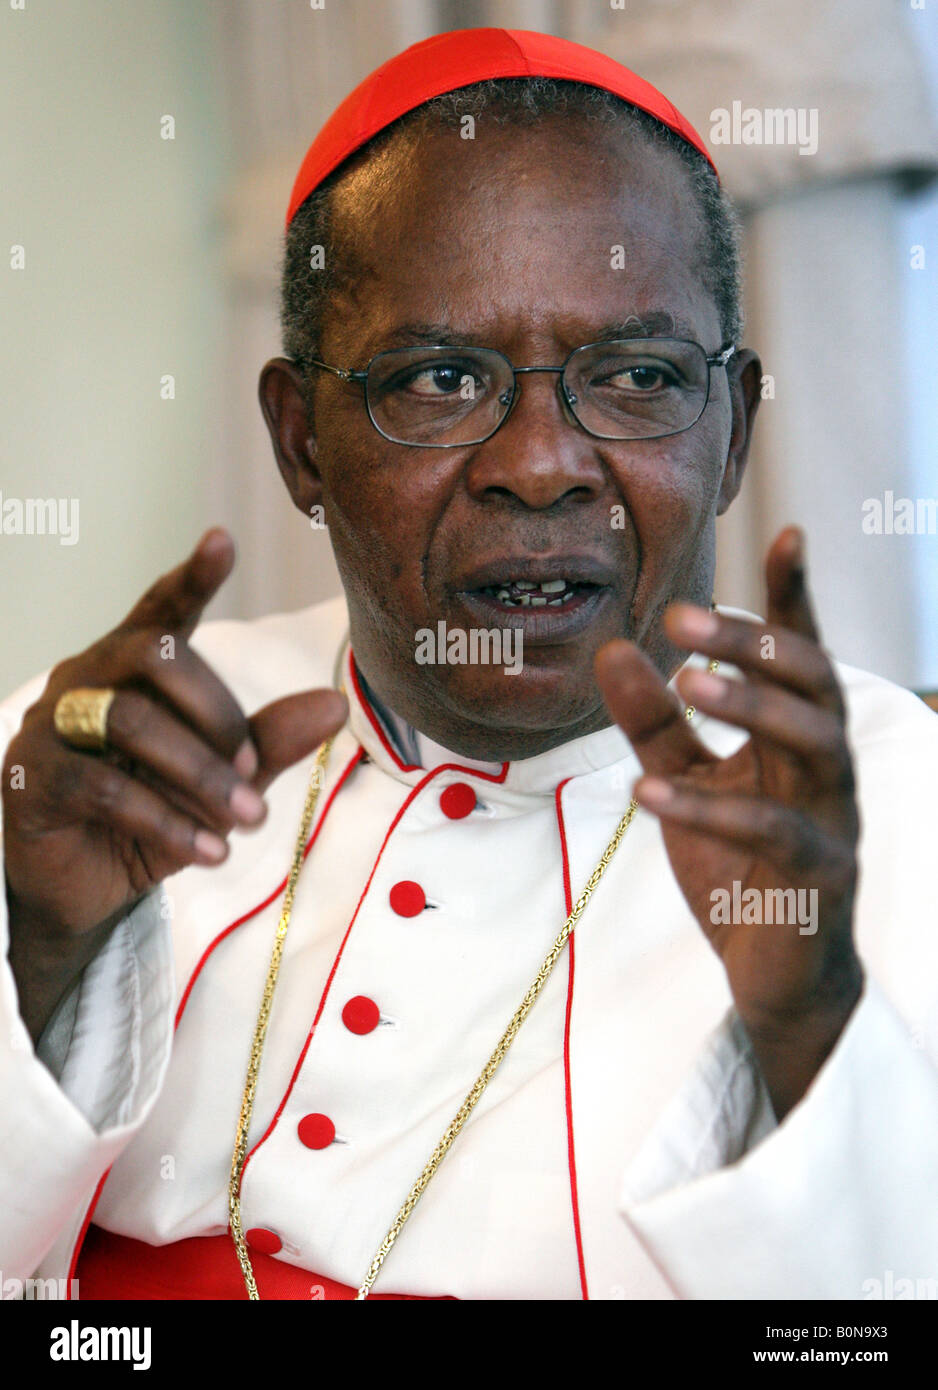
(110, 1044)
(834, 1202)
(69, 1106)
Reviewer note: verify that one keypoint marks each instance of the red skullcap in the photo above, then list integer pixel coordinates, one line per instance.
(458, 59)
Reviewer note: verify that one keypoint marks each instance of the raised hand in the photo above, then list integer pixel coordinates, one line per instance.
(778, 815)
(88, 833)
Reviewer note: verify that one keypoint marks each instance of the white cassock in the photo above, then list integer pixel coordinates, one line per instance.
(626, 1147)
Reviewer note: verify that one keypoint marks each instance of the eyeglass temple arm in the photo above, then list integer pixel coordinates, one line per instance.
(343, 373)
(722, 358)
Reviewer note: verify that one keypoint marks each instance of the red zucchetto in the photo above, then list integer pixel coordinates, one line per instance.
(446, 62)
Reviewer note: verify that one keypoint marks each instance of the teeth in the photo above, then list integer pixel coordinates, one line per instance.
(529, 600)
(522, 593)
(546, 586)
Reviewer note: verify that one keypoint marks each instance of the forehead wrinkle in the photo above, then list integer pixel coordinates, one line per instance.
(376, 191)
(390, 181)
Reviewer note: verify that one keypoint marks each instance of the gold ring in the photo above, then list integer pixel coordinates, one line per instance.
(81, 717)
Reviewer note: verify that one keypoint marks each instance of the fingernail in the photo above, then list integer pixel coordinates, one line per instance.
(209, 848)
(245, 760)
(697, 623)
(218, 533)
(246, 804)
(654, 791)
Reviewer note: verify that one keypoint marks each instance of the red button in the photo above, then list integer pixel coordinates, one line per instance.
(316, 1131)
(264, 1242)
(361, 1014)
(457, 801)
(407, 899)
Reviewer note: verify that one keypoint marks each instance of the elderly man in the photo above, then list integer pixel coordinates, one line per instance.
(496, 1030)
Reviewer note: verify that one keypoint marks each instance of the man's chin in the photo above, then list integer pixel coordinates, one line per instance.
(497, 716)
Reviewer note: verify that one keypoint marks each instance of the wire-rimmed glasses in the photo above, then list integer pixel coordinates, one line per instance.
(446, 397)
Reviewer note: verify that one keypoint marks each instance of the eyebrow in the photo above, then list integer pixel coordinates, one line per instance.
(654, 323)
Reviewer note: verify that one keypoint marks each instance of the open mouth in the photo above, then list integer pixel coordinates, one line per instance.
(545, 593)
(553, 598)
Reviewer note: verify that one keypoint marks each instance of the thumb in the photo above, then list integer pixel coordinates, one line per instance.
(291, 728)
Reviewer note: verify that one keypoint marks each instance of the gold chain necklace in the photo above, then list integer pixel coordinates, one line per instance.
(482, 1080)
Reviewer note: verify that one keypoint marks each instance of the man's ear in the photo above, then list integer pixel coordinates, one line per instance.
(283, 403)
(744, 374)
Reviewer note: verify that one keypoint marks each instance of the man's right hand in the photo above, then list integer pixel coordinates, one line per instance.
(87, 834)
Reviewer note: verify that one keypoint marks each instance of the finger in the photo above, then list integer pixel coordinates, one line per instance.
(813, 734)
(789, 602)
(149, 734)
(292, 728)
(191, 688)
(779, 833)
(772, 654)
(176, 601)
(646, 710)
(108, 797)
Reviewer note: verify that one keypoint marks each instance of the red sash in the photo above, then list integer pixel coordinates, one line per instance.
(204, 1267)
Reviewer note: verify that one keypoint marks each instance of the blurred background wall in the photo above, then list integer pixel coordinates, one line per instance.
(146, 258)
(121, 284)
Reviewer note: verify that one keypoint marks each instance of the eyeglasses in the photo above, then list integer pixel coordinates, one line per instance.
(446, 397)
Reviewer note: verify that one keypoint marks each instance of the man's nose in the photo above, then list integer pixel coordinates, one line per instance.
(540, 454)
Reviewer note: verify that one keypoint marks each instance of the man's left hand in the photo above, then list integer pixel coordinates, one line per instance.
(779, 814)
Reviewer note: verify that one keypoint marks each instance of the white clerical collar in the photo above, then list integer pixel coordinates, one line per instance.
(413, 746)
(407, 755)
